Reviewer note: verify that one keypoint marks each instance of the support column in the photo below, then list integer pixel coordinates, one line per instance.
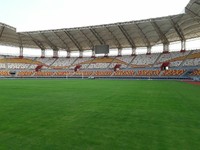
(183, 46)
(119, 52)
(149, 50)
(68, 54)
(42, 53)
(106, 55)
(133, 51)
(21, 52)
(166, 48)
(93, 54)
(80, 54)
(55, 54)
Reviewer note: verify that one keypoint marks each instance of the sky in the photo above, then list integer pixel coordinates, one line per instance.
(32, 15)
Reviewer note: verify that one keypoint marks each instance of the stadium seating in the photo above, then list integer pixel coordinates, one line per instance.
(4, 73)
(103, 66)
(25, 73)
(83, 73)
(44, 73)
(124, 73)
(46, 61)
(18, 66)
(63, 73)
(124, 61)
(144, 60)
(102, 73)
(148, 73)
(101, 63)
(2, 66)
(193, 59)
(63, 62)
(195, 73)
(83, 60)
(175, 58)
(173, 72)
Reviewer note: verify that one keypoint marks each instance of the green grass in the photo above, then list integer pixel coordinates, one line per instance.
(99, 115)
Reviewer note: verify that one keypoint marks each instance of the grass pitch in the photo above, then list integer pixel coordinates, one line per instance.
(99, 115)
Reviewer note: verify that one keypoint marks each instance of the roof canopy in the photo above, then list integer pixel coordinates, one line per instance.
(133, 34)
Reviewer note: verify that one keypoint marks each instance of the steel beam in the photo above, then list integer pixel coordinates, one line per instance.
(198, 3)
(49, 42)
(1, 31)
(115, 38)
(128, 38)
(73, 40)
(91, 45)
(38, 43)
(177, 29)
(144, 37)
(98, 37)
(66, 46)
(189, 11)
(160, 33)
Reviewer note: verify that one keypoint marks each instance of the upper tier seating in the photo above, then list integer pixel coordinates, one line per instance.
(63, 62)
(2, 65)
(193, 59)
(114, 64)
(18, 66)
(175, 58)
(98, 65)
(123, 60)
(101, 62)
(84, 62)
(47, 61)
(144, 60)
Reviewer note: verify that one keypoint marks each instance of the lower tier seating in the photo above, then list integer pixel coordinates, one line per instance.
(173, 72)
(4, 73)
(195, 73)
(148, 73)
(102, 73)
(25, 73)
(124, 73)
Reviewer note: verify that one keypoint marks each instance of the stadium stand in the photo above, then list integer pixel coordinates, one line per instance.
(63, 73)
(144, 60)
(175, 58)
(193, 59)
(124, 73)
(25, 73)
(2, 66)
(83, 73)
(101, 62)
(63, 62)
(44, 73)
(173, 72)
(4, 73)
(195, 73)
(103, 66)
(148, 72)
(102, 73)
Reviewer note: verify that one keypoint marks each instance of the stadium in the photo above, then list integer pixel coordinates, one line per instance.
(103, 86)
